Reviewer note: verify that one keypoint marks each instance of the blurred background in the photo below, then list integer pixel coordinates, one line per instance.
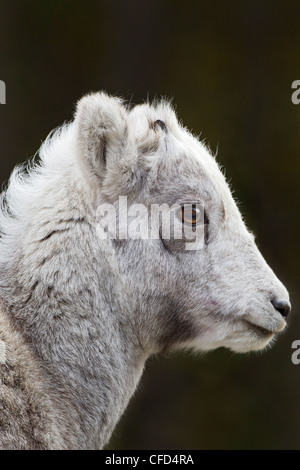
(229, 67)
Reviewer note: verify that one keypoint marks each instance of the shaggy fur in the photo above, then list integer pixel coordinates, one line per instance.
(79, 315)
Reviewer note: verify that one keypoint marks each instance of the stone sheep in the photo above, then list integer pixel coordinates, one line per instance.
(82, 310)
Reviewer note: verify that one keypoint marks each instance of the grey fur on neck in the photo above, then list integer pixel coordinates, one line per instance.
(80, 334)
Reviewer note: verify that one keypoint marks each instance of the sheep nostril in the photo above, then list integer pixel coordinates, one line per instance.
(282, 306)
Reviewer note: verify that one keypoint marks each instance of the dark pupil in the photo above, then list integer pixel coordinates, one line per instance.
(194, 216)
(190, 215)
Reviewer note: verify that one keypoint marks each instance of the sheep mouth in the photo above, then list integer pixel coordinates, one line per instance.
(260, 330)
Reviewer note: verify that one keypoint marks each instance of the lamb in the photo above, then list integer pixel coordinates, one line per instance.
(81, 310)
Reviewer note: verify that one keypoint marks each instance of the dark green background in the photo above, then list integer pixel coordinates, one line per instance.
(229, 66)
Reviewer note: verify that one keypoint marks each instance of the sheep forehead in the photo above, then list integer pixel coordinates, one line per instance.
(176, 142)
(179, 162)
(186, 165)
(142, 117)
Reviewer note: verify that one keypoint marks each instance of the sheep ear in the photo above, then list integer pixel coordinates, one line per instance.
(102, 127)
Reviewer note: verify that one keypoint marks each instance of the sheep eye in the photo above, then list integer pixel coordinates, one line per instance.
(190, 214)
